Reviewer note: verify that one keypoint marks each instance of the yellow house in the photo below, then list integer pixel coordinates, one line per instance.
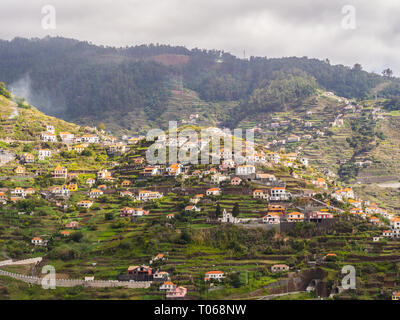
(125, 183)
(71, 187)
(79, 148)
(19, 170)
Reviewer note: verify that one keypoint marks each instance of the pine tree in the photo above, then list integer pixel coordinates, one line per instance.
(218, 211)
(235, 210)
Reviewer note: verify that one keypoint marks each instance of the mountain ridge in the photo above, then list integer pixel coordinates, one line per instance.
(88, 84)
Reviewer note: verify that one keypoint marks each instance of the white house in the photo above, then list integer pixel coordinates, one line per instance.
(266, 177)
(387, 233)
(260, 194)
(218, 178)
(90, 138)
(279, 194)
(167, 286)
(279, 268)
(48, 137)
(174, 169)
(50, 129)
(133, 212)
(192, 208)
(103, 174)
(214, 275)
(91, 181)
(85, 204)
(43, 153)
(347, 193)
(19, 192)
(304, 161)
(95, 193)
(228, 163)
(213, 192)
(395, 223)
(295, 217)
(150, 171)
(67, 136)
(160, 275)
(125, 193)
(271, 219)
(118, 148)
(37, 241)
(274, 157)
(60, 191)
(145, 195)
(245, 170)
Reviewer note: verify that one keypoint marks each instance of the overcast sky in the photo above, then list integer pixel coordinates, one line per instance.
(272, 28)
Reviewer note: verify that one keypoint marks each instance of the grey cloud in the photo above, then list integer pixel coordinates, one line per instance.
(271, 28)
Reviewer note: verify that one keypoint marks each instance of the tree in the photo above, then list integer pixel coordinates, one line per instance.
(235, 280)
(185, 237)
(108, 216)
(101, 126)
(28, 147)
(218, 211)
(235, 210)
(77, 236)
(387, 73)
(357, 67)
(87, 153)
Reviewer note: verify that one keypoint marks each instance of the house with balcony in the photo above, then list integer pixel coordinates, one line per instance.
(279, 194)
(213, 192)
(140, 273)
(48, 137)
(214, 275)
(167, 286)
(271, 218)
(85, 204)
(60, 172)
(177, 293)
(295, 217)
(44, 153)
(280, 268)
(245, 170)
(260, 194)
(146, 195)
(95, 193)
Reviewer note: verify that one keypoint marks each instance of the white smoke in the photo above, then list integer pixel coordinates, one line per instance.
(22, 88)
(53, 105)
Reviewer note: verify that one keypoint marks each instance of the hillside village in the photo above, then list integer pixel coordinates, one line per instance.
(322, 129)
(92, 206)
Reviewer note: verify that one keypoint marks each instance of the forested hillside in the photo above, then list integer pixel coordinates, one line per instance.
(81, 82)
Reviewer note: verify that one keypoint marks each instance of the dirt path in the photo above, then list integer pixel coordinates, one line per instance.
(330, 207)
(15, 113)
(68, 282)
(271, 296)
(78, 282)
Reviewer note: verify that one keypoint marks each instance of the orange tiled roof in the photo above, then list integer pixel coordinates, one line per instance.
(214, 272)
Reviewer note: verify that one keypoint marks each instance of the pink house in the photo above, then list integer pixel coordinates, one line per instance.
(319, 216)
(72, 225)
(236, 181)
(177, 293)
